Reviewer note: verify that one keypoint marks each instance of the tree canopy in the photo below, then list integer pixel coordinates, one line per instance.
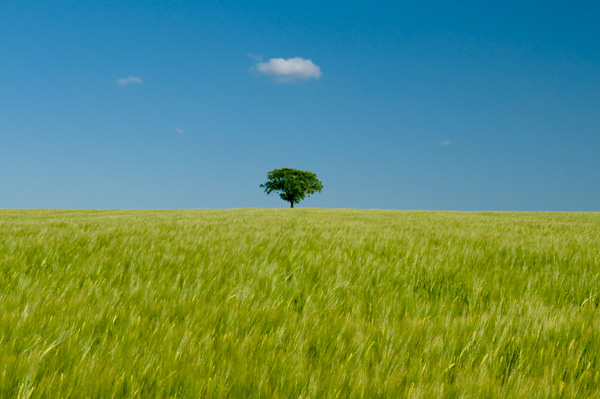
(292, 185)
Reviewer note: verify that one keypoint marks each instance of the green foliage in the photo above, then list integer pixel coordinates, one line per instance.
(293, 185)
(312, 303)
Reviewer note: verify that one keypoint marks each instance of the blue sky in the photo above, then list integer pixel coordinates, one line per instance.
(396, 105)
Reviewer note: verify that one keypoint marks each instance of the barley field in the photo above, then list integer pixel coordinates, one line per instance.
(299, 303)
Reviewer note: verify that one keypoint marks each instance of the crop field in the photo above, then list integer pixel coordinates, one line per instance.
(299, 303)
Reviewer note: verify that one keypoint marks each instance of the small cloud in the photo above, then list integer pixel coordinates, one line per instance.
(445, 143)
(289, 70)
(129, 80)
(255, 57)
(179, 130)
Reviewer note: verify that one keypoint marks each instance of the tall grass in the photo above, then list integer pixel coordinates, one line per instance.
(299, 303)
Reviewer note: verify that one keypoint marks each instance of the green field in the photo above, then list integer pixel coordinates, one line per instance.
(297, 303)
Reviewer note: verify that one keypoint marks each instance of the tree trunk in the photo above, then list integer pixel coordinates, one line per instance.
(291, 204)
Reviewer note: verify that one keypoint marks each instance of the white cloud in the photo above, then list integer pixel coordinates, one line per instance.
(445, 143)
(129, 80)
(296, 68)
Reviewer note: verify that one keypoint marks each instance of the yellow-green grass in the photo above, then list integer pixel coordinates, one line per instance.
(299, 303)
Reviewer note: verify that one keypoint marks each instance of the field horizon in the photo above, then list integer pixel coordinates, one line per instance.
(295, 208)
(303, 302)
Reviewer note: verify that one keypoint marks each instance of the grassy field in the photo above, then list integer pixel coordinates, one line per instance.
(299, 303)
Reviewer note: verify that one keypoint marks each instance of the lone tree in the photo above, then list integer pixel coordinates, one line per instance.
(292, 184)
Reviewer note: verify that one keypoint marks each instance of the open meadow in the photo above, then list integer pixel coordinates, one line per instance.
(294, 303)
